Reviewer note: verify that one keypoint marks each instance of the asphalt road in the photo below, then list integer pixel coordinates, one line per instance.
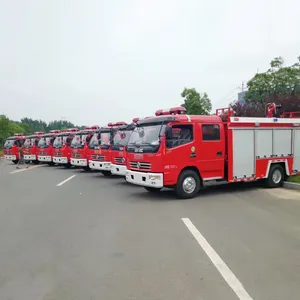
(92, 237)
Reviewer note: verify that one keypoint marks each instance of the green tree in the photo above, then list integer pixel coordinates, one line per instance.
(4, 129)
(278, 80)
(196, 103)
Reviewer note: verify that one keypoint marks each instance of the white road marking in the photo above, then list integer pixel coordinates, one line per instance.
(24, 169)
(66, 180)
(226, 273)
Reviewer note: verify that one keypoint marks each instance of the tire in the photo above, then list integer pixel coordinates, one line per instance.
(188, 184)
(86, 168)
(51, 164)
(36, 162)
(15, 161)
(67, 166)
(106, 173)
(276, 176)
(152, 189)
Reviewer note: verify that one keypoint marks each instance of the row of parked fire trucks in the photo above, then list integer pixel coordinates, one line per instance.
(175, 150)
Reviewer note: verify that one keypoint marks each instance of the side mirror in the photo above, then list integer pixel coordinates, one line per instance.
(169, 133)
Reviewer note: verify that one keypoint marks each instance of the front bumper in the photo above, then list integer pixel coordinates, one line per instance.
(155, 180)
(29, 156)
(79, 162)
(44, 158)
(118, 169)
(100, 165)
(10, 157)
(60, 160)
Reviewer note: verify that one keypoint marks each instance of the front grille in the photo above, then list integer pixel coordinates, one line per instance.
(119, 160)
(76, 155)
(140, 165)
(98, 157)
(57, 154)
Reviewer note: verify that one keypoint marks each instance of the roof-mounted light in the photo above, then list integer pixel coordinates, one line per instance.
(120, 123)
(180, 110)
(135, 120)
(39, 133)
(18, 134)
(110, 124)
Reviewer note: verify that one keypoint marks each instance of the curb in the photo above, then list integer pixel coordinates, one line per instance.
(291, 185)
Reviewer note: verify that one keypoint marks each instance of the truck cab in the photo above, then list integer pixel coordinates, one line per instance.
(11, 147)
(61, 145)
(118, 148)
(30, 148)
(45, 147)
(103, 161)
(164, 147)
(80, 150)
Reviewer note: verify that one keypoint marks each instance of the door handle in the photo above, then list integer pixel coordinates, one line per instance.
(219, 153)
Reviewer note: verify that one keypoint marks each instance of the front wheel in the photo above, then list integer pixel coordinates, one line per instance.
(152, 189)
(86, 168)
(188, 184)
(67, 166)
(276, 177)
(106, 173)
(15, 161)
(36, 162)
(51, 163)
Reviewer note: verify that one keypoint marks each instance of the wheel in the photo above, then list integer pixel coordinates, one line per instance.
(15, 161)
(106, 173)
(86, 168)
(67, 166)
(152, 189)
(51, 163)
(36, 162)
(188, 184)
(276, 176)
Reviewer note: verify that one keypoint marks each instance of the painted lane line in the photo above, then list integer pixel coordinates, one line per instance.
(226, 273)
(66, 180)
(24, 169)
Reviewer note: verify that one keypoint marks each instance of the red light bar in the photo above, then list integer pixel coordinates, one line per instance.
(162, 112)
(55, 131)
(180, 110)
(121, 123)
(18, 134)
(39, 133)
(135, 120)
(110, 124)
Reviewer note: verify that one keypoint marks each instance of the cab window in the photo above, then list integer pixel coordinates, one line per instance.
(180, 135)
(210, 132)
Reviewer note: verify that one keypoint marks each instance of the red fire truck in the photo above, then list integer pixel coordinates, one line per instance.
(45, 147)
(61, 145)
(30, 147)
(11, 147)
(118, 148)
(103, 160)
(187, 152)
(80, 150)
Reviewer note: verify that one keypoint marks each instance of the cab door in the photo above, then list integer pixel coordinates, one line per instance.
(210, 149)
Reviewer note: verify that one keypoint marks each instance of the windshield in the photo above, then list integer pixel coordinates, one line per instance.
(94, 142)
(27, 143)
(105, 138)
(58, 142)
(121, 137)
(42, 143)
(9, 144)
(78, 141)
(146, 135)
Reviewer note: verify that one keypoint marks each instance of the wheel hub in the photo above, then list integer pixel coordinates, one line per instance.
(276, 176)
(189, 185)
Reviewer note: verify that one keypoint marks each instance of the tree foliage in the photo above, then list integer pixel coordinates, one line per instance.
(279, 84)
(196, 103)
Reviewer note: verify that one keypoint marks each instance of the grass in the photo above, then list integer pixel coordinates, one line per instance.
(1, 152)
(295, 179)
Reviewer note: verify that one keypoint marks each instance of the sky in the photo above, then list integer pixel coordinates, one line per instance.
(92, 62)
